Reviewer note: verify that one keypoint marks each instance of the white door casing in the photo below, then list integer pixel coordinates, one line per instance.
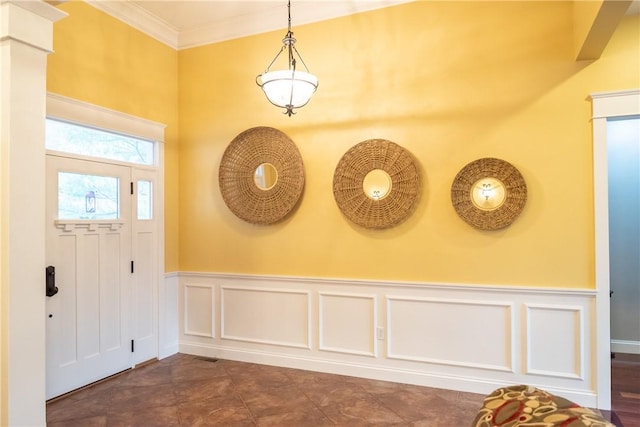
(605, 105)
(88, 321)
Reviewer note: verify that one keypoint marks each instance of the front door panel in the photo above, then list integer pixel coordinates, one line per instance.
(88, 241)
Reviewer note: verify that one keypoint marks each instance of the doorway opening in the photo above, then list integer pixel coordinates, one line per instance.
(623, 151)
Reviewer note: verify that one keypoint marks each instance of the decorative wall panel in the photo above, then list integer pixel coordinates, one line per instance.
(430, 330)
(559, 330)
(348, 323)
(199, 312)
(269, 316)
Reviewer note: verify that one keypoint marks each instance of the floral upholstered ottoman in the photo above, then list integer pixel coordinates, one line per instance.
(523, 405)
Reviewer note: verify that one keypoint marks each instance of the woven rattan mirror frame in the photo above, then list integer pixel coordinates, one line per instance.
(515, 190)
(245, 153)
(349, 176)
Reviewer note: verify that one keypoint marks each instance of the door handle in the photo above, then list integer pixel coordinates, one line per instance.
(50, 280)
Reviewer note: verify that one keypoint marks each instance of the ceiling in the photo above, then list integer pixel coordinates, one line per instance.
(187, 23)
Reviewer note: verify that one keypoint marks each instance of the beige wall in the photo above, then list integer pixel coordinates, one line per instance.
(451, 82)
(100, 60)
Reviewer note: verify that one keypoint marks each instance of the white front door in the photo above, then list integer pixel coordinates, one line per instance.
(88, 241)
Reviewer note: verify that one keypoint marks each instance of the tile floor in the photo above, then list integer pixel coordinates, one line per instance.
(184, 390)
(187, 390)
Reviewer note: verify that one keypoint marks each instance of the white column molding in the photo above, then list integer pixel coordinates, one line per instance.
(26, 38)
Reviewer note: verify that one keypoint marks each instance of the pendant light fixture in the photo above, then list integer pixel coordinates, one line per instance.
(288, 88)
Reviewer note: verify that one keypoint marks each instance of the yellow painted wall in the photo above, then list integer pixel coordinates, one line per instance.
(449, 81)
(101, 60)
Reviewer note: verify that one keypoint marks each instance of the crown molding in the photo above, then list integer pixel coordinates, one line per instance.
(138, 18)
(307, 12)
(240, 26)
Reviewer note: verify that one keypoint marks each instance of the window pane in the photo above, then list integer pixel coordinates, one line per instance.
(88, 196)
(145, 200)
(76, 139)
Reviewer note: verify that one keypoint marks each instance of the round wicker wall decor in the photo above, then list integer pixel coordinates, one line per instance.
(402, 191)
(249, 152)
(489, 193)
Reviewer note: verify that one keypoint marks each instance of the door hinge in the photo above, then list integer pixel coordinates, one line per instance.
(131, 188)
(131, 267)
(132, 346)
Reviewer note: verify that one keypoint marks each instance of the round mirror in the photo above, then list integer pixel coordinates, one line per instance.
(488, 194)
(265, 176)
(377, 184)
(261, 175)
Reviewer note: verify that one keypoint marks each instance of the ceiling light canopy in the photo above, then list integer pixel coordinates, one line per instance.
(289, 87)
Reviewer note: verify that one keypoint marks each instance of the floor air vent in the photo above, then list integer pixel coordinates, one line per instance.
(207, 359)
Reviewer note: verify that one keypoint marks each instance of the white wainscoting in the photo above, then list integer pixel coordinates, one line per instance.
(462, 337)
(168, 316)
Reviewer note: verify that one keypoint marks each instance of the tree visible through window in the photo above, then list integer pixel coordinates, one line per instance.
(86, 141)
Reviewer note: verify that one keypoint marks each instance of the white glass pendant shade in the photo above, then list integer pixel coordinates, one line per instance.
(288, 88)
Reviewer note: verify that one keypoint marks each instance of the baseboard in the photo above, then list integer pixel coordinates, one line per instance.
(390, 374)
(620, 346)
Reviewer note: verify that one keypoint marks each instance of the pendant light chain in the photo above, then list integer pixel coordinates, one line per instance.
(292, 61)
(289, 11)
(290, 41)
